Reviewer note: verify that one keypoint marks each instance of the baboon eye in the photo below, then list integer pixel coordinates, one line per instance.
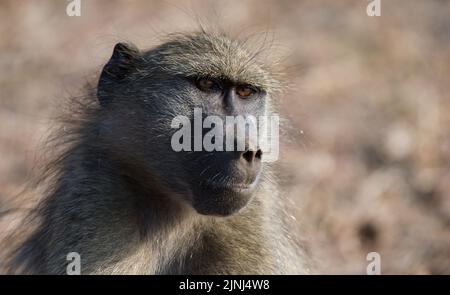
(245, 91)
(205, 84)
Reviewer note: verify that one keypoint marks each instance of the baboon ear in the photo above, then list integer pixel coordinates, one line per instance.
(120, 65)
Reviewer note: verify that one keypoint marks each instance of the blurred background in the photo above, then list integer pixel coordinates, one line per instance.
(368, 168)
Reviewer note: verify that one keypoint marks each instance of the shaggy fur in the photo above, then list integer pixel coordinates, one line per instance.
(119, 196)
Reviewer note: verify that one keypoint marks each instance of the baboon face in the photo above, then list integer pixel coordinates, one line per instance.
(142, 92)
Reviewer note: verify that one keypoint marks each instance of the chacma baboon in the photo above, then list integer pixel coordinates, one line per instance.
(123, 199)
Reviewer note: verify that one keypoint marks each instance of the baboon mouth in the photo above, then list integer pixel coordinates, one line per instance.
(239, 188)
(221, 199)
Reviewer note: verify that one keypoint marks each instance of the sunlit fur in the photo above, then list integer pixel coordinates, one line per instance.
(113, 193)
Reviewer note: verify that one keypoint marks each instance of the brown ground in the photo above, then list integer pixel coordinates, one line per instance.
(371, 169)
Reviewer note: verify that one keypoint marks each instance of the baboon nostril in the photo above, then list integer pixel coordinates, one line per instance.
(258, 154)
(250, 155)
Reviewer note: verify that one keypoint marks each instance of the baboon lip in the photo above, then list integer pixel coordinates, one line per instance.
(240, 188)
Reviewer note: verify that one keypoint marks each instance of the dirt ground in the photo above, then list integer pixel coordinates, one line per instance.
(367, 166)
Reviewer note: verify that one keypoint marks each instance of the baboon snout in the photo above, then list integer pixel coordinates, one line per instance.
(251, 156)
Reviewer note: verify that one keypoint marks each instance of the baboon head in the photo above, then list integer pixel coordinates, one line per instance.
(141, 93)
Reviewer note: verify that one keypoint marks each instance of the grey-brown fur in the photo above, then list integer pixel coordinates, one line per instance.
(117, 196)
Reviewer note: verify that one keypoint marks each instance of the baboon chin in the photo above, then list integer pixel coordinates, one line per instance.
(110, 194)
(221, 200)
(226, 195)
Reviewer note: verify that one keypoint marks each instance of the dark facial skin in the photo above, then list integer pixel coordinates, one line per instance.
(224, 181)
(141, 109)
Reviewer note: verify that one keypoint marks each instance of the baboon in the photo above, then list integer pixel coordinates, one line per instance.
(123, 199)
